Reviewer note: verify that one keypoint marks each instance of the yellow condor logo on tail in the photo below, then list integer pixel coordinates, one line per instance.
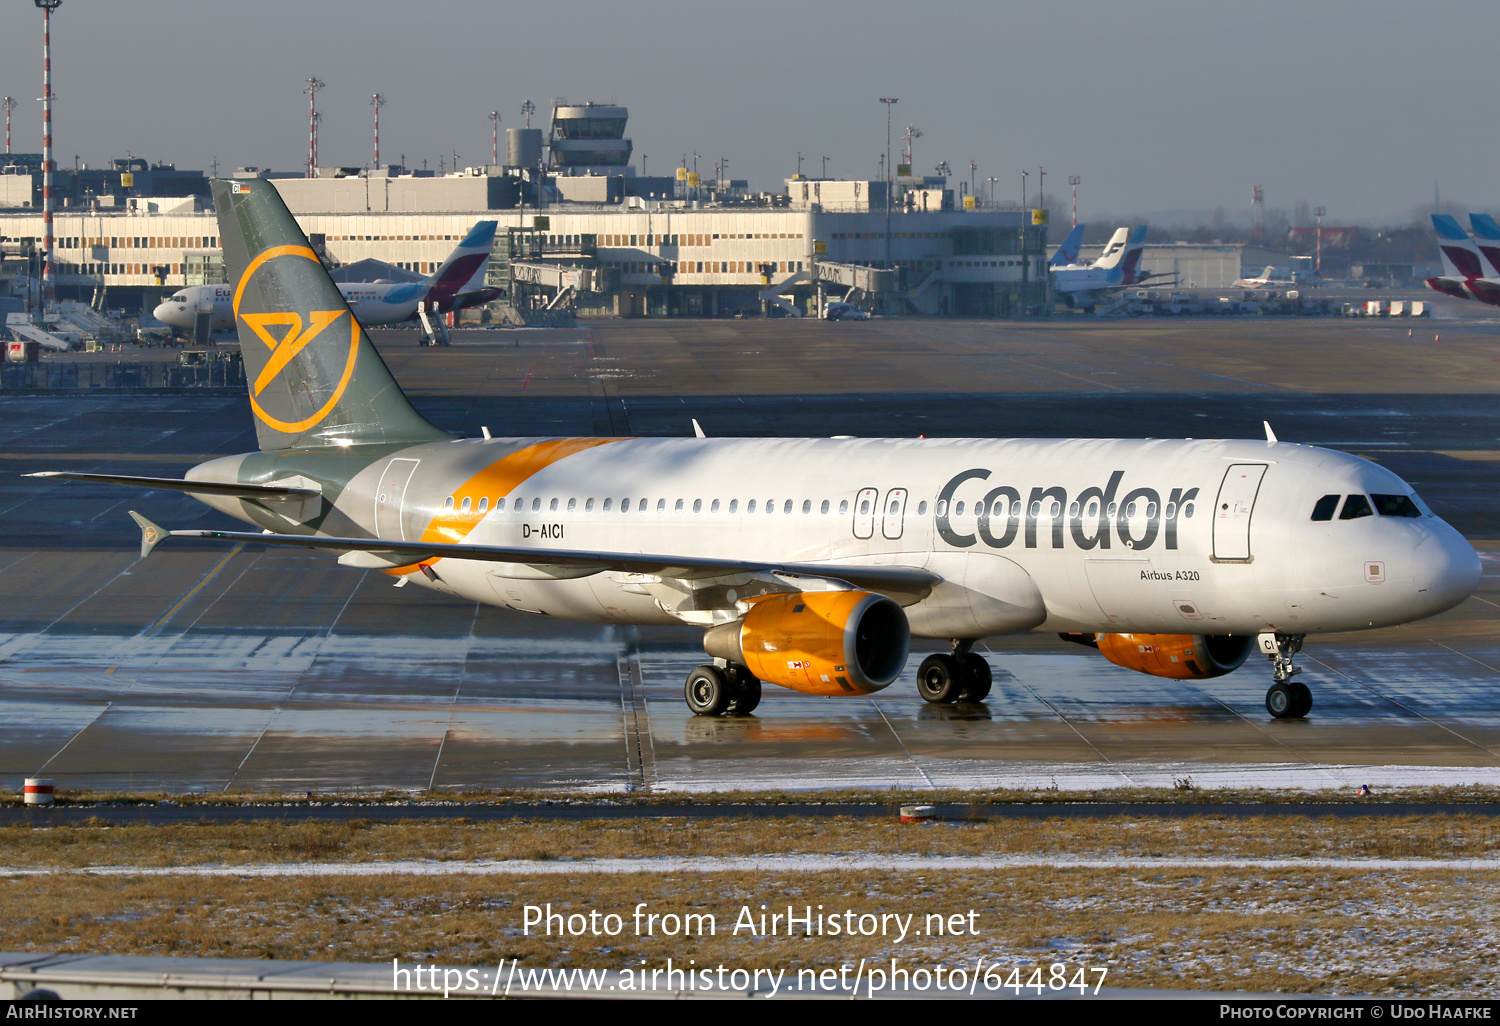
(296, 338)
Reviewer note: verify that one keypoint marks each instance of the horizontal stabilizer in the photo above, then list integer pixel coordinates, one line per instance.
(175, 484)
(904, 578)
(151, 535)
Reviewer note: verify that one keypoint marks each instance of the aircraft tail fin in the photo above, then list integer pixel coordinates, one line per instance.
(1460, 256)
(467, 261)
(1114, 250)
(1487, 241)
(1130, 257)
(315, 379)
(1067, 253)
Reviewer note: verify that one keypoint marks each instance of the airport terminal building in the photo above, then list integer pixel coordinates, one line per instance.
(719, 255)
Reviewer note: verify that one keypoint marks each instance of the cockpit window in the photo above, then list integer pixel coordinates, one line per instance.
(1395, 506)
(1356, 506)
(1325, 507)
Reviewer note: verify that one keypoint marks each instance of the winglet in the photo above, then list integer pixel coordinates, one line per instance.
(698, 429)
(151, 535)
(1270, 435)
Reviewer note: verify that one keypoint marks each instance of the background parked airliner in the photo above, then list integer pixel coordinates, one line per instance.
(447, 289)
(808, 563)
(1118, 267)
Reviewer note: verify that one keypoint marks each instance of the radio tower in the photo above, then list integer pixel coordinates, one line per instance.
(9, 104)
(48, 282)
(377, 101)
(313, 85)
(495, 137)
(1258, 212)
(527, 109)
(912, 132)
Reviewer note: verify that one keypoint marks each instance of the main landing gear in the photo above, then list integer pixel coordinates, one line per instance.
(714, 690)
(963, 676)
(1286, 699)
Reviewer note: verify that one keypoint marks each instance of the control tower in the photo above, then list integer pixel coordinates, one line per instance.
(589, 138)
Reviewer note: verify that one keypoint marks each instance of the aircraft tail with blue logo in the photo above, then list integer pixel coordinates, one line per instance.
(1067, 253)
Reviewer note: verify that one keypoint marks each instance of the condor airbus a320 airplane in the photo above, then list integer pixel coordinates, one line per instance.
(809, 562)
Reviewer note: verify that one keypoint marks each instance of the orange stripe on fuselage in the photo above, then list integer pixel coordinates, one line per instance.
(496, 481)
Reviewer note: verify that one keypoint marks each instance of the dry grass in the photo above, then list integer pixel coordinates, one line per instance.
(1410, 933)
(1206, 836)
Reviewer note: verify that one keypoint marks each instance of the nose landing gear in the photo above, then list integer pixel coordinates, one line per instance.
(1286, 699)
(963, 676)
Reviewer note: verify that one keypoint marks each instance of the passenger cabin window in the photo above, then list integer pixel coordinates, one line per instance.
(844, 507)
(484, 504)
(1356, 506)
(536, 504)
(552, 506)
(661, 505)
(572, 505)
(677, 508)
(607, 504)
(824, 507)
(448, 502)
(465, 506)
(715, 507)
(922, 508)
(1324, 508)
(588, 506)
(519, 503)
(697, 505)
(750, 506)
(734, 505)
(787, 507)
(807, 506)
(1395, 506)
(499, 504)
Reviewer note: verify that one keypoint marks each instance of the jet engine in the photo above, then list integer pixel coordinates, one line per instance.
(1179, 656)
(818, 642)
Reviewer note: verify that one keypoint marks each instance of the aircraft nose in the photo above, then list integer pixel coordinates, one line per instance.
(1445, 569)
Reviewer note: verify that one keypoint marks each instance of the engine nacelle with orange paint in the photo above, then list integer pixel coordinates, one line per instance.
(818, 642)
(1179, 656)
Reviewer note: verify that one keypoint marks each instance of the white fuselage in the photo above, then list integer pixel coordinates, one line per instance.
(1105, 535)
(371, 302)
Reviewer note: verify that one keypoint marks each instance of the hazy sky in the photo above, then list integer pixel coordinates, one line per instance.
(1158, 105)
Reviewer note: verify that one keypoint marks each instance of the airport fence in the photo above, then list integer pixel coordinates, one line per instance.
(156, 376)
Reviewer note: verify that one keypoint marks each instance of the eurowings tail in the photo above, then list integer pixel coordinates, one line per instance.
(1461, 258)
(315, 379)
(1067, 253)
(463, 265)
(1487, 240)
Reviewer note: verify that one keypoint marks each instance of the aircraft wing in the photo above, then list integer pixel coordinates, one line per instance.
(563, 563)
(175, 484)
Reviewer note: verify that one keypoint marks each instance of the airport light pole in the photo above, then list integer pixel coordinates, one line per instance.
(48, 282)
(889, 102)
(9, 104)
(313, 85)
(377, 101)
(495, 137)
(1041, 188)
(992, 180)
(912, 132)
(1023, 196)
(1318, 266)
(1073, 180)
(825, 168)
(973, 167)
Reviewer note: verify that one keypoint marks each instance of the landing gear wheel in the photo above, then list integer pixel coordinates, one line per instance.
(1281, 701)
(707, 691)
(977, 678)
(1302, 699)
(940, 679)
(746, 694)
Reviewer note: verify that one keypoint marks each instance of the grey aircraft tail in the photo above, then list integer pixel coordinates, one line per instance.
(315, 379)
